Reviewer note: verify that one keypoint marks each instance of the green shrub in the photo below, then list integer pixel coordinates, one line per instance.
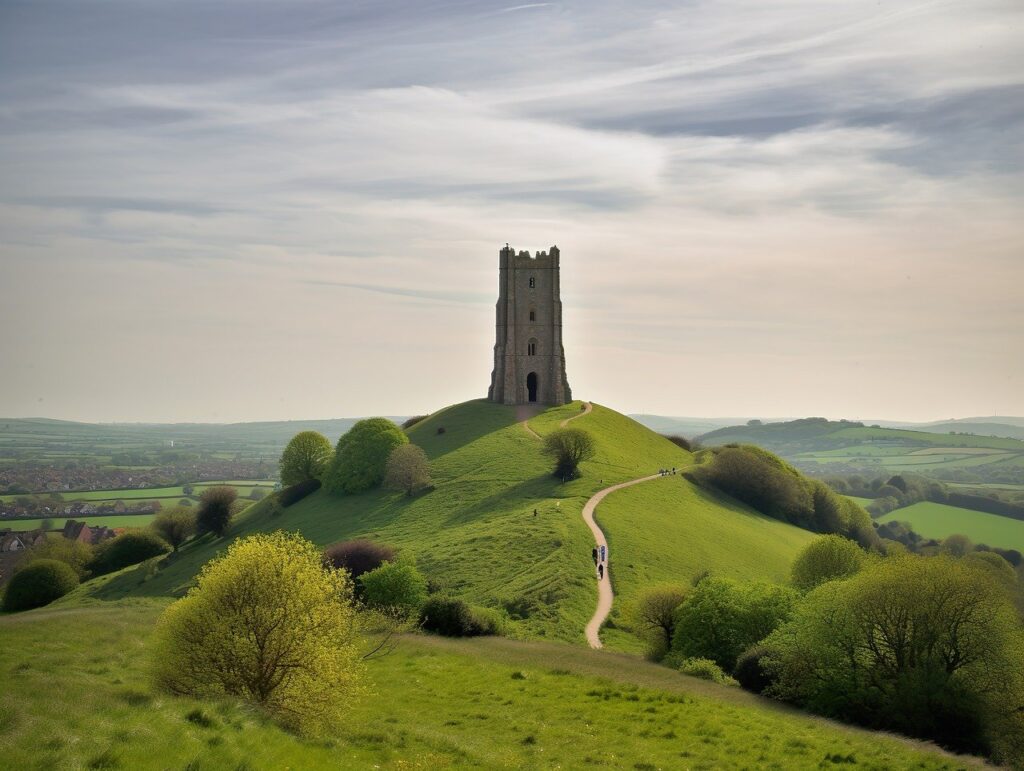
(215, 509)
(358, 556)
(705, 669)
(295, 493)
(394, 587)
(568, 448)
(720, 618)
(750, 671)
(362, 455)
(39, 584)
(453, 617)
(306, 457)
(127, 549)
(653, 617)
(826, 559)
(75, 553)
(175, 526)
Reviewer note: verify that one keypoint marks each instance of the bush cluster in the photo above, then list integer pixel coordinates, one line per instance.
(362, 455)
(453, 617)
(127, 549)
(39, 584)
(705, 669)
(358, 556)
(305, 458)
(216, 506)
(295, 493)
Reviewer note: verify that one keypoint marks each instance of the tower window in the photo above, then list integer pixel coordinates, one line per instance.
(533, 315)
(533, 282)
(531, 348)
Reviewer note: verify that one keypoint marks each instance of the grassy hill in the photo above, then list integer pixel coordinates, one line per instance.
(937, 520)
(476, 532)
(433, 703)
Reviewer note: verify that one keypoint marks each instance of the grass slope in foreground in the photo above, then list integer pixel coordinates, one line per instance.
(476, 532)
(76, 695)
(937, 520)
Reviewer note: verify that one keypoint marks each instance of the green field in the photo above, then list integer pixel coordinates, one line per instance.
(125, 520)
(434, 703)
(862, 502)
(244, 487)
(937, 520)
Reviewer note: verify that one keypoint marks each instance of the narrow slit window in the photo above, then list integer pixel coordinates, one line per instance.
(533, 315)
(531, 348)
(533, 282)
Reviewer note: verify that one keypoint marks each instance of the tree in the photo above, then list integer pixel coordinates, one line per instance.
(362, 455)
(654, 617)
(266, 622)
(957, 545)
(397, 587)
(215, 509)
(175, 526)
(720, 618)
(826, 559)
(39, 584)
(568, 447)
(305, 457)
(127, 549)
(927, 646)
(76, 554)
(407, 469)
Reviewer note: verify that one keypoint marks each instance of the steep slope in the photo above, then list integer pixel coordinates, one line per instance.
(476, 533)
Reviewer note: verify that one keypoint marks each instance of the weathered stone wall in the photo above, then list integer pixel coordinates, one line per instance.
(529, 311)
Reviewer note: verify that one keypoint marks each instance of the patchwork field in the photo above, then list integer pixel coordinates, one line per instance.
(937, 520)
(433, 703)
(125, 520)
(244, 487)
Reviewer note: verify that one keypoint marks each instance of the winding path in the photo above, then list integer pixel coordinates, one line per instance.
(604, 586)
(587, 409)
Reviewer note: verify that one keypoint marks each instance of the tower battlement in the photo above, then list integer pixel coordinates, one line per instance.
(529, 360)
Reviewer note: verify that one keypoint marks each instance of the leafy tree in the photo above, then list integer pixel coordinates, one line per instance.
(826, 559)
(74, 553)
(395, 586)
(175, 526)
(929, 647)
(362, 455)
(215, 509)
(654, 617)
(452, 617)
(569, 447)
(305, 457)
(39, 584)
(358, 556)
(720, 618)
(957, 545)
(407, 469)
(269, 623)
(127, 549)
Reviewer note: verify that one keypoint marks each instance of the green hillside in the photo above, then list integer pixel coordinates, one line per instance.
(937, 520)
(475, 533)
(433, 703)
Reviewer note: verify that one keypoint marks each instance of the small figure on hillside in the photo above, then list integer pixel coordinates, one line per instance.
(673, 471)
(593, 553)
(600, 571)
(604, 552)
(535, 512)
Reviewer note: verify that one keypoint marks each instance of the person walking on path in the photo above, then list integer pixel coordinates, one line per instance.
(604, 553)
(600, 571)
(593, 553)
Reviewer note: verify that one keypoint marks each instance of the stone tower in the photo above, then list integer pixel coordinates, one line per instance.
(529, 361)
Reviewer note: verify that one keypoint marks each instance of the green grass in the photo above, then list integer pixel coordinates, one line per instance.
(668, 530)
(126, 520)
(937, 520)
(76, 695)
(862, 502)
(244, 488)
(476, 532)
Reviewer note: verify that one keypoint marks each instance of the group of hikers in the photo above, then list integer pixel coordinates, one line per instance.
(600, 555)
(667, 472)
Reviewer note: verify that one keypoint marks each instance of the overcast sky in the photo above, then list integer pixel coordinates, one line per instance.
(221, 210)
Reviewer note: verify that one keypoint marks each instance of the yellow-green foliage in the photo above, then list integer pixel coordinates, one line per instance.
(305, 457)
(268, 623)
(75, 553)
(828, 558)
(361, 456)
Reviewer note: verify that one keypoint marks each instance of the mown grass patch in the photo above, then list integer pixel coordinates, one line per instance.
(937, 520)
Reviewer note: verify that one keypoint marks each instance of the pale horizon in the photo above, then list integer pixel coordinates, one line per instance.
(295, 212)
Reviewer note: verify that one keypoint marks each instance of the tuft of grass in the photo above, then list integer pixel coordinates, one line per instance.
(200, 718)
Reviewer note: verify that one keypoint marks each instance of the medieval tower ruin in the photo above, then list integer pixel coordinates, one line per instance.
(529, 361)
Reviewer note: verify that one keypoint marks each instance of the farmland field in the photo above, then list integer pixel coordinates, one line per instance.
(244, 487)
(125, 520)
(937, 520)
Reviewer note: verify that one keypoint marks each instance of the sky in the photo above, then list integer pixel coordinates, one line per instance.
(216, 210)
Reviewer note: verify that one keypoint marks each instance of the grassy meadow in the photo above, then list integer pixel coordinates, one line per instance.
(433, 703)
(937, 520)
(122, 520)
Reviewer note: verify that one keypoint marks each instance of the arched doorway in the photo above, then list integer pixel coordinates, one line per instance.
(531, 386)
